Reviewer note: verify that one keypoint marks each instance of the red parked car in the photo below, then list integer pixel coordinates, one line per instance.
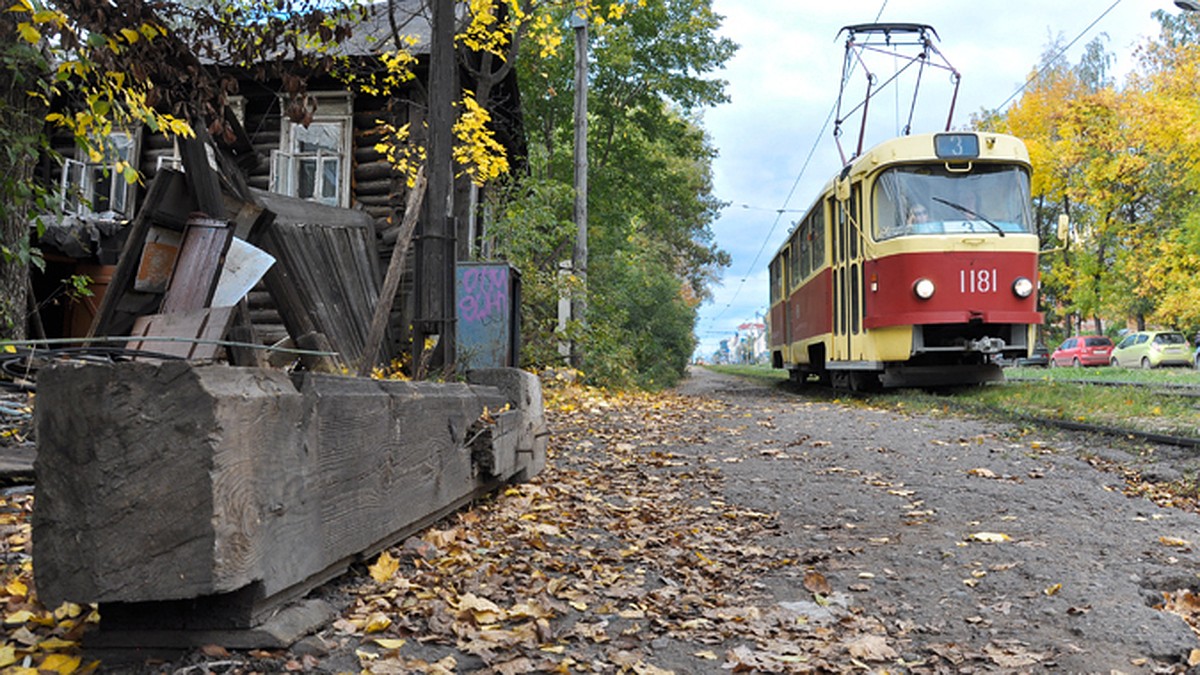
(1083, 350)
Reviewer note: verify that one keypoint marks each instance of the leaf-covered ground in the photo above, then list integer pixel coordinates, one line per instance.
(624, 556)
(620, 557)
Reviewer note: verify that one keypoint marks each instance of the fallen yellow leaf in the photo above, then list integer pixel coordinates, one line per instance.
(19, 617)
(55, 643)
(706, 654)
(989, 537)
(67, 609)
(8, 655)
(1175, 541)
(377, 622)
(1053, 590)
(390, 643)
(60, 663)
(17, 587)
(384, 567)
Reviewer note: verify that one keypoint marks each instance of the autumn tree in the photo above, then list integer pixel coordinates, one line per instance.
(1168, 92)
(651, 254)
(1120, 160)
(24, 69)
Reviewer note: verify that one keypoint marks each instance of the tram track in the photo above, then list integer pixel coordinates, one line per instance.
(1101, 429)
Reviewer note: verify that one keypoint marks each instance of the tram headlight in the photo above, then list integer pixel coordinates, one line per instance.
(923, 288)
(1022, 287)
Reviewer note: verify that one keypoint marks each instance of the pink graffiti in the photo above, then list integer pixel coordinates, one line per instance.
(484, 296)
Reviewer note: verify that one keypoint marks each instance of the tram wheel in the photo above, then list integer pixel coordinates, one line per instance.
(865, 382)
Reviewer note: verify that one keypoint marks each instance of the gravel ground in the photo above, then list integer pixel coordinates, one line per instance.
(979, 542)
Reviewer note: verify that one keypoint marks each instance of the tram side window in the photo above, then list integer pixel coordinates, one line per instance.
(856, 229)
(805, 249)
(795, 275)
(776, 279)
(817, 239)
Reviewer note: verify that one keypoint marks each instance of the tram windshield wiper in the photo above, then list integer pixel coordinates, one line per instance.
(970, 212)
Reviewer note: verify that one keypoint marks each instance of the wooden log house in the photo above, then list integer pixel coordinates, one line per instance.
(332, 161)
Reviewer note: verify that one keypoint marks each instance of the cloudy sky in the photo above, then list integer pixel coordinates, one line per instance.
(784, 84)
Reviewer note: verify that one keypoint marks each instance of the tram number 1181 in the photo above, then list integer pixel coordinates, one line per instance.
(978, 281)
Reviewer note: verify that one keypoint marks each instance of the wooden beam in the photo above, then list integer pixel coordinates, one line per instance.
(203, 181)
(395, 272)
(248, 485)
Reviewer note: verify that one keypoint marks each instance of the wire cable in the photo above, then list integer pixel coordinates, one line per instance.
(787, 200)
(1049, 62)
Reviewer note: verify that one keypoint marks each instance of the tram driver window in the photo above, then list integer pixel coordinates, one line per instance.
(924, 200)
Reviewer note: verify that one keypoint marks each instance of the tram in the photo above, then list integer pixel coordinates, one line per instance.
(917, 265)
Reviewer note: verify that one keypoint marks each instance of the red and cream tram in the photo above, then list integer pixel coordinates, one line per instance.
(916, 267)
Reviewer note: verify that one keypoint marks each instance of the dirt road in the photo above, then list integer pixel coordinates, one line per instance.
(976, 544)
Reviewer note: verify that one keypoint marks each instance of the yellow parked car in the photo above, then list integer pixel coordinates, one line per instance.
(1151, 349)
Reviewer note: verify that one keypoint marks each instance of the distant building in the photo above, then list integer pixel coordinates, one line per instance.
(750, 343)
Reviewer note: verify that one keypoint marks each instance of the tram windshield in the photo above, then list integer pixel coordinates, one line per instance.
(918, 200)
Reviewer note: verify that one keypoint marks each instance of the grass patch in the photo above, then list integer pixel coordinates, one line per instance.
(755, 372)
(1189, 376)
(1137, 408)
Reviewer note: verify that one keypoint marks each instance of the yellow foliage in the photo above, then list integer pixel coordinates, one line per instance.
(1123, 162)
(478, 152)
(404, 155)
(29, 33)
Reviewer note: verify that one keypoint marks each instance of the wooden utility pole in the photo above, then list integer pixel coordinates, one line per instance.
(435, 243)
(580, 255)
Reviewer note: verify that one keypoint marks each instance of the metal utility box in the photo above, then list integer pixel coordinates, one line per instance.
(489, 315)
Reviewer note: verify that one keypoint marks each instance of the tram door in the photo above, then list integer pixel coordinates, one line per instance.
(847, 275)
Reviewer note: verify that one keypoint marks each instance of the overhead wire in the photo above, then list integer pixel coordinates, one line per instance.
(1050, 62)
(787, 200)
